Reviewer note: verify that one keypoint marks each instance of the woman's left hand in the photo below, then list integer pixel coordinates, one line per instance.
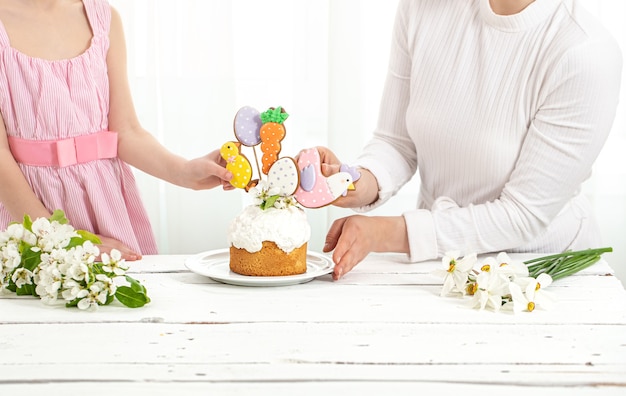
(353, 238)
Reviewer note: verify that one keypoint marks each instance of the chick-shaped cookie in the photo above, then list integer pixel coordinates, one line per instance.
(237, 164)
(316, 190)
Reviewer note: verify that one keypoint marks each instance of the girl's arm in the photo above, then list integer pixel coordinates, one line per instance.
(15, 192)
(138, 147)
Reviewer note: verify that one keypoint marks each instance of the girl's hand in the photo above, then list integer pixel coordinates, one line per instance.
(107, 244)
(353, 238)
(208, 172)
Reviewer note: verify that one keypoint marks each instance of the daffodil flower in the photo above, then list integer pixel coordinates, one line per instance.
(455, 272)
(534, 294)
(491, 287)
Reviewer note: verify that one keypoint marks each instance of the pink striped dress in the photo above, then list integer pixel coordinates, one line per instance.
(52, 100)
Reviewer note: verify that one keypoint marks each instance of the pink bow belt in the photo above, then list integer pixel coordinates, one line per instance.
(64, 152)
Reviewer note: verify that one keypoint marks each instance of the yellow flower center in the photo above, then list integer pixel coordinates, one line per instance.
(538, 286)
(531, 306)
(471, 288)
(485, 268)
(452, 266)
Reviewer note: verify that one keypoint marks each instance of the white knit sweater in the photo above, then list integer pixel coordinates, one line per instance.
(503, 117)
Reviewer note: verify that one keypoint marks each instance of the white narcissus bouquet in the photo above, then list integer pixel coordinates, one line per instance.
(49, 259)
(501, 283)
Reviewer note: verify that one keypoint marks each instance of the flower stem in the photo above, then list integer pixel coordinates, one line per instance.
(565, 264)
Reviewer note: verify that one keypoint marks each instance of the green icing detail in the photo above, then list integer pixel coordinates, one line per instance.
(276, 115)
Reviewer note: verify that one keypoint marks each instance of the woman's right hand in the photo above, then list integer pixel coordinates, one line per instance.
(107, 244)
(366, 188)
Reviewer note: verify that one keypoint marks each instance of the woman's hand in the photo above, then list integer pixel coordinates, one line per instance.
(366, 188)
(107, 244)
(353, 238)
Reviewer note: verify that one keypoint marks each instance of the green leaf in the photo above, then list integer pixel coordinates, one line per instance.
(269, 202)
(131, 298)
(88, 236)
(28, 223)
(73, 303)
(136, 285)
(12, 287)
(26, 290)
(31, 259)
(59, 216)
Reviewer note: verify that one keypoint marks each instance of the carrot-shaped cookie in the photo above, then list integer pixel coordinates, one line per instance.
(272, 133)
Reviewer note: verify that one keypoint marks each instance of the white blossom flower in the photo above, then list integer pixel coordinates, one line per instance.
(49, 281)
(280, 203)
(16, 232)
(107, 284)
(52, 235)
(114, 263)
(61, 273)
(79, 271)
(21, 277)
(73, 290)
(538, 293)
(96, 295)
(455, 272)
(10, 256)
(262, 191)
(491, 287)
(533, 295)
(505, 265)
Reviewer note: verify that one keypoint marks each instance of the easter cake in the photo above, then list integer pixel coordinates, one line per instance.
(270, 236)
(269, 242)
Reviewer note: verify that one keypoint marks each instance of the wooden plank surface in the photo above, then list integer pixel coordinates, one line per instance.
(382, 328)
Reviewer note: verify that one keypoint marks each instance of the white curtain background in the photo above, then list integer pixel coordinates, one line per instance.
(194, 63)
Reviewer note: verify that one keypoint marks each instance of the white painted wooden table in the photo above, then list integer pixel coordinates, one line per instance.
(383, 329)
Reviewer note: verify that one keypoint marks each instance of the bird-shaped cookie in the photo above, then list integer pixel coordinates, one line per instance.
(237, 164)
(315, 189)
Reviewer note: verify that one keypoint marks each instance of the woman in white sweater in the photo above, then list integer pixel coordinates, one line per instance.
(502, 106)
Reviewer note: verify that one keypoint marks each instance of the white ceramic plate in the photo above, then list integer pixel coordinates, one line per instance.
(215, 265)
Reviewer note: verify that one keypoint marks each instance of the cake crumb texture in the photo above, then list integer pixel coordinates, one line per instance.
(269, 261)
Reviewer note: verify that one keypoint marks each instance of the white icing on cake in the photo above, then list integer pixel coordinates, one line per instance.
(288, 228)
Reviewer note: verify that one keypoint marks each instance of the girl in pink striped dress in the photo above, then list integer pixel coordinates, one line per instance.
(68, 128)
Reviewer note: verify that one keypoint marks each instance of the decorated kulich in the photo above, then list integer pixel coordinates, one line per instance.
(269, 241)
(270, 236)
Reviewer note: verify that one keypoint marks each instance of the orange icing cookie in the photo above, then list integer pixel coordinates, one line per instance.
(272, 133)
